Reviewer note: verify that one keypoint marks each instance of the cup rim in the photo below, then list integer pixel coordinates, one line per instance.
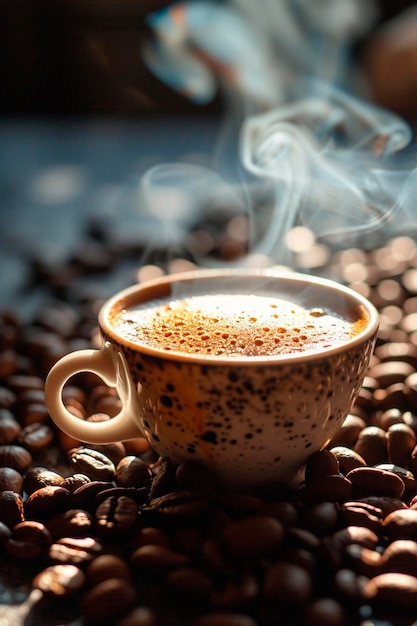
(119, 298)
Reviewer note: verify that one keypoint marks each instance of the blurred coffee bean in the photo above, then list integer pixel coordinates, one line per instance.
(287, 585)
(322, 463)
(372, 445)
(371, 480)
(15, 457)
(401, 441)
(253, 537)
(401, 524)
(333, 488)
(406, 476)
(393, 591)
(9, 427)
(107, 566)
(324, 612)
(357, 513)
(59, 580)
(71, 523)
(36, 436)
(108, 601)
(11, 480)
(152, 559)
(349, 432)
(75, 550)
(29, 541)
(400, 556)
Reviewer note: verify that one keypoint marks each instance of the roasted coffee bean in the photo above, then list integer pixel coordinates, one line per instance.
(152, 536)
(15, 457)
(117, 516)
(371, 480)
(333, 547)
(155, 559)
(47, 502)
(406, 476)
(36, 436)
(388, 373)
(324, 612)
(349, 432)
(386, 504)
(139, 616)
(138, 495)
(400, 556)
(9, 427)
(73, 482)
(320, 464)
(108, 601)
(401, 524)
(114, 451)
(193, 475)
(59, 580)
(393, 591)
(8, 362)
(389, 418)
(22, 382)
(7, 398)
(107, 566)
(11, 480)
(84, 497)
(372, 445)
(178, 506)
(190, 585)
(287, 585)
(285, 512)
(347, 458)
(11, 508)
(71, 523)
(132, 471)
(321, 519)
(38, 477)
(75, 550)
(363, 560)
(253, 537)
(29, 541)
(359, 513)
(95, 465)
(401, 441)
(333, 488)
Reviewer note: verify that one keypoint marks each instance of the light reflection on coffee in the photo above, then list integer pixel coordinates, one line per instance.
(226, 325)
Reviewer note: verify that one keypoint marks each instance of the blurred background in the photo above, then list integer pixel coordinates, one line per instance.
(81, 58)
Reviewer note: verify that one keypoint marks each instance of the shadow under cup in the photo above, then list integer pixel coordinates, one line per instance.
(253, 420)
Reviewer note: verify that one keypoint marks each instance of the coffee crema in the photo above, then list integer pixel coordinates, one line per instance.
(227, 325)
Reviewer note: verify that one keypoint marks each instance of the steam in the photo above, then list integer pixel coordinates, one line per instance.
(308, 152)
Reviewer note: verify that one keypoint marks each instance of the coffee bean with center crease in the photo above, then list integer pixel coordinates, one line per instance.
(176, 507)
(94, 464)
(393, 591)
(117, 517)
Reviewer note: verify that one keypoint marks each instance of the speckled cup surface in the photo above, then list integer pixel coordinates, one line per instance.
(252, 420)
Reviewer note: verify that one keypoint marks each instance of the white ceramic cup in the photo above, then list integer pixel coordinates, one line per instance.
(252, 420)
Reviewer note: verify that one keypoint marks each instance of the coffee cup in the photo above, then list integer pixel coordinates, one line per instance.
(246, 371)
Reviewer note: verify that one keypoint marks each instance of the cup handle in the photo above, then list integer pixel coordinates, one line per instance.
(110, 365)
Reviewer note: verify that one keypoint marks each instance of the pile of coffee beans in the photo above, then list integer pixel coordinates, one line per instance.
(112, 534)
